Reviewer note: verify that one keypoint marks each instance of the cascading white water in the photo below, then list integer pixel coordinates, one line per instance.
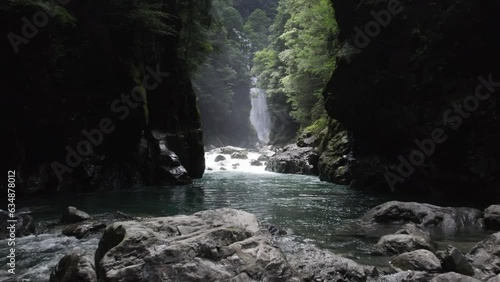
(259, 115)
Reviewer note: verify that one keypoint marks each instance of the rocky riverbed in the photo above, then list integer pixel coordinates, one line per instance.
(232, 245)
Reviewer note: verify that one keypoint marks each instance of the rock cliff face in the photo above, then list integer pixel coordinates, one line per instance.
(95, 97)
(417, 87)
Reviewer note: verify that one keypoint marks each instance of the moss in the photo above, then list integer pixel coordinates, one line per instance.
(317, 127)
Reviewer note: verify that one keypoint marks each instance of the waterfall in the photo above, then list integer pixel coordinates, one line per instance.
(259, 115)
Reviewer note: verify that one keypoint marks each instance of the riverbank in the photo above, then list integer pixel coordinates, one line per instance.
(227, 244)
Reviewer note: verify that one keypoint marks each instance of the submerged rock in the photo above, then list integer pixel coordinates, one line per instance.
(419, 260)
(73, 215)
(492, 217)
(294, 159)
(485, 257)
(213, 245)
(424, 215)
(74, 267)
(453, 260)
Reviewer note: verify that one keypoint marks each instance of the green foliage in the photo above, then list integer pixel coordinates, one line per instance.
(59, 14)
(152, 18)
(299, 60)
(257, 29)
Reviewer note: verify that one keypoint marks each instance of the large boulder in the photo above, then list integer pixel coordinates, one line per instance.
(213, 245)
(485, 257)
(408, 238)
(453, 260)
(314, 264)
(447, 219)
(294, 159)
(396, 244)
(73, 215)
(74, 267)
(453, 277)
(419, 260)
(492, 217)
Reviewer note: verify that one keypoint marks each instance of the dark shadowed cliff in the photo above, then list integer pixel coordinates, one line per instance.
(410, 88)
(99, 73)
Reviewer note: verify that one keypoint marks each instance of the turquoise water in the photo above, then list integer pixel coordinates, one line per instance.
(310, 210)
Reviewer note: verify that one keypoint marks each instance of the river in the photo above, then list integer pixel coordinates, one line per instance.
(310, 210)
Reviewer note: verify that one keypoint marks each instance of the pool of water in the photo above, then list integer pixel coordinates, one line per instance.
(312, 211)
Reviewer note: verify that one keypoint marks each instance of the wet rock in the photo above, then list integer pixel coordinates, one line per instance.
(275, 230)
(314, 264)
(407, 276)
(209, 168)
(255, 163)
(296, 160)
(412, 229)
(25, 224)
(73, 215)
(453, 277)
(163, 165)
(334, 162)
(213, 245)
(220, 158)
(494, 279)
(236, 165)
(240, 155)
(492, 217)
(74, 267)
(424, 215)
(396, 244)
(485, 257)
(222, 168)
(453, 260)
(308, 141)
(228, 150)
(419, 260)
(81, 230)
(263, 158)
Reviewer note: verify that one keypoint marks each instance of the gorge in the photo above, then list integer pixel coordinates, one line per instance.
(251, 140)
